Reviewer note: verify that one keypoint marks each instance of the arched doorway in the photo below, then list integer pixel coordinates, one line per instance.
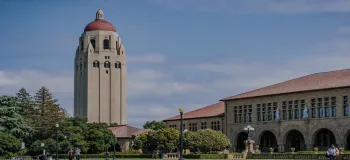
(267, 140)
(324, 138)
(347, 145)
(294, 139)
(241, 137)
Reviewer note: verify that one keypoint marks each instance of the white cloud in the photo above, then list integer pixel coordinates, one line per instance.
(147, 58)
(250, 6)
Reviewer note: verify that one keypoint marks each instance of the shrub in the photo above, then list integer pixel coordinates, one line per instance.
(118, 155)
(204, 156)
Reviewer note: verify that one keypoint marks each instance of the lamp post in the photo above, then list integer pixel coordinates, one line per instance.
(181, 110)
(57, 125)
(249, 129)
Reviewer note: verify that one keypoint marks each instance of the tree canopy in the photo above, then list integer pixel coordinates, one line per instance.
(154, 125)
(32, 120)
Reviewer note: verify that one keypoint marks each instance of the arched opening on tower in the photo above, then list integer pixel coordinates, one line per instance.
(107, 65)
(106, 44)
(294, 139)
(241, 137)
(268, 140)
(92, 41)
(118, 65)
(324, 138)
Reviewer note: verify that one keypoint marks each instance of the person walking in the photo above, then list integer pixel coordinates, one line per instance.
(77, 154)
(332, 152)
(70, 155)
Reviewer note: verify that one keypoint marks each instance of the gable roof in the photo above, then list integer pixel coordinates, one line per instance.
(217, 109)
(316, 81)
(126, 131)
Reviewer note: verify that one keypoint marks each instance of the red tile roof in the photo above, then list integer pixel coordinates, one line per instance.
(316, 81)
(217, 109)
(126, 131)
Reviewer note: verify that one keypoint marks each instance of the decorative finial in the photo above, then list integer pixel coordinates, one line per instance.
(99, 14)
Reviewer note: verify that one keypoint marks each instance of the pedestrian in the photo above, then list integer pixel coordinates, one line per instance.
(70, 155)
(332, 152)
(107, 155)
(77, 154)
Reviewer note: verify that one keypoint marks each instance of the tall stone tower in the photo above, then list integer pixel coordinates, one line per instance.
(100, 74)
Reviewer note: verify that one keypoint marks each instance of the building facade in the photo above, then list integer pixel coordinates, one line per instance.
(100, 74)
(211, 116)
(302, 113)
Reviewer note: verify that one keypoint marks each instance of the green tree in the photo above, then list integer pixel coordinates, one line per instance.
(25, 101)
(48, 113)
(140, 141)
(165, 140)
(206, 140)
(99, 137)
(154, 125)
(10, 119)
(9, 144)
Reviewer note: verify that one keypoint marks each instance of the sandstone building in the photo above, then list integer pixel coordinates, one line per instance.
(211, 116)
(100, 74)
(303, 113)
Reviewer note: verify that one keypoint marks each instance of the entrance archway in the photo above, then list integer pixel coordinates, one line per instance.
(267, 140)
(294, 139)
(347, 145)
(324, 138)
(241, 137)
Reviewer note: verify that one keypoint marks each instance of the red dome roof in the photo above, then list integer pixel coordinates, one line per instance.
(99, 24)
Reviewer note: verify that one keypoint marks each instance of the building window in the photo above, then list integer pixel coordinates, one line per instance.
(96, 64)
(313, 108)
(106, 44)
(320, 107)
(345, 106)
(118, 65)
(82, 43)
(192, 126)
(264, 115)
(92, 41)
(172, 126)
(250, 113)
(203, 125)
(183, 126)
(243, 114)
(334, 106)
(215, 125)
(258, 111)
(284, 110)
(290, 110)
(107, 65)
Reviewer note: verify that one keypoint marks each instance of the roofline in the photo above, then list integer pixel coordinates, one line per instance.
(224, 99)
(221, 115)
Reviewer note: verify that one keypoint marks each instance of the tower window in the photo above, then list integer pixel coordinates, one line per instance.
(106, 44)
(93, 42)
(82, 43)
(118, 65)
(116, 45)
(107, 65)
(96, 64)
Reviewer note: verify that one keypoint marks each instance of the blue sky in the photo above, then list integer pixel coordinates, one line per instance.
(181, 53)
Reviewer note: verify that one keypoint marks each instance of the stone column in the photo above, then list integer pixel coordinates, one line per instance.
(280, 146)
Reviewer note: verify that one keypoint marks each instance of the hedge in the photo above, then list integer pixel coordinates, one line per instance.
(142, 156)
(204, 156)
(84, 156)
